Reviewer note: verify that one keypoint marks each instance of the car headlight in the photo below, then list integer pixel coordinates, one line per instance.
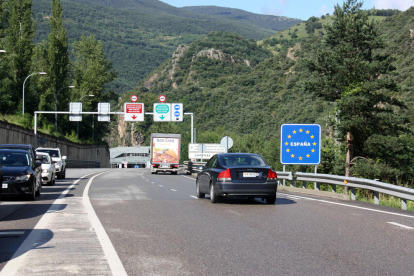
(23, 177)
(45, 171)
(58, 164)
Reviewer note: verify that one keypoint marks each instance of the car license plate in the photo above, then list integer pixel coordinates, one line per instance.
(4, 185)
(165, 167)
(250, 174)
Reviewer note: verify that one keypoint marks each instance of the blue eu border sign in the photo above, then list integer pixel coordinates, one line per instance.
(300, 144)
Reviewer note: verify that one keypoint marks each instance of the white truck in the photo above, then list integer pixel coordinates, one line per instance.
(165, 152)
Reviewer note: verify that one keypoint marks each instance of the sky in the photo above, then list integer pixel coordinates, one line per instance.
(300, 9)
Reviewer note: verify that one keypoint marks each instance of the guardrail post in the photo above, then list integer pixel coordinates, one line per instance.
(317, 185)
(376, 198)
(403, 204)
(284, 180)
(353, 193)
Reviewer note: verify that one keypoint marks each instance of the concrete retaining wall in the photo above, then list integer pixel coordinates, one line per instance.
(14, 134)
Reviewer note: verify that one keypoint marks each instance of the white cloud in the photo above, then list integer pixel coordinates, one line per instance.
(325, 9)
(393, 4)
(276, 7)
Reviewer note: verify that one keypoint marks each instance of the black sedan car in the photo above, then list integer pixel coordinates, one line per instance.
(237, 175)
(21, 174)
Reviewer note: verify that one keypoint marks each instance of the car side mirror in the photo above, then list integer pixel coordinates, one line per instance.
(38, 163)
(64, 157)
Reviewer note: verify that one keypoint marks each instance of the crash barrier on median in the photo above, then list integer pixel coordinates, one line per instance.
(353, 182)
(72, 163)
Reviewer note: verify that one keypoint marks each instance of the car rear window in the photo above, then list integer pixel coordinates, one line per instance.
(52, 153)
(243, 160)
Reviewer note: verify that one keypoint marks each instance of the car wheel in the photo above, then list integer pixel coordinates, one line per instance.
(199, 194)
(59, 175)
(271, 199)
(64, 174)
(213, 196)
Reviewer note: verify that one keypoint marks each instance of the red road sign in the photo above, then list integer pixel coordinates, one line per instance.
(134, 98)
(162, 98)
(133, 108)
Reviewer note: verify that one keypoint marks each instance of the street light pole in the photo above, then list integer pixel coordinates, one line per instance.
(40, 73)
(71, 86)
(77, 125)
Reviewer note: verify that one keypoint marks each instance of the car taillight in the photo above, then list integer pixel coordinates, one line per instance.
(154, 165)
(224, 176)
(271, 175)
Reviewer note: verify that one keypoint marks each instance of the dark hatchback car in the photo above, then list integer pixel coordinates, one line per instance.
(21, 174)
(237, 175)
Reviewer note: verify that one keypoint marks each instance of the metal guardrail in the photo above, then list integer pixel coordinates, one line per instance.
(376, 186)
(373, 185)
(72, 163)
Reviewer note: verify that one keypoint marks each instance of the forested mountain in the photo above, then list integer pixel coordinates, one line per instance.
(277, 23)
(240, 89)
(139, 35)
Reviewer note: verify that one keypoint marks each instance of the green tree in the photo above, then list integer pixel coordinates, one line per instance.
(346, 70)
(92, 71)
(57, 63)
(6, 83)
(18, 43)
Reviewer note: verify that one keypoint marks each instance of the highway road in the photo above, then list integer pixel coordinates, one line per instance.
(130, 222)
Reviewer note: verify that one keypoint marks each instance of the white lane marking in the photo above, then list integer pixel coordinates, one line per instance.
(188, 177)
(112, 257)
(11, 233)
(351, 206)
(18, 257)
(294, 197)
(160, 185)
(152, 182)
(173, 190)
(234, 212)
(193, 196)
(401, 225)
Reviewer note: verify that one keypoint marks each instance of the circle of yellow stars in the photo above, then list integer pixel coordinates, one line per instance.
(312, 137)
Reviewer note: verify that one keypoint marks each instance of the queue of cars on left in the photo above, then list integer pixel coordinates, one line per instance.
(23, 171)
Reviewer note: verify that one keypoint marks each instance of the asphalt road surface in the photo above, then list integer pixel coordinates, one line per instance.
(130, 222)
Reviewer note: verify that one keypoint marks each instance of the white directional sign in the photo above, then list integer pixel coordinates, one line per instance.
(177, 112)
(75, 107)
(134, 112)
(204, 151)
(104, 108)
(162, 112)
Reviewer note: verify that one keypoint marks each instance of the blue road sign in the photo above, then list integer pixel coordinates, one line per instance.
(177, 113)
(300, 144)
(177, 107)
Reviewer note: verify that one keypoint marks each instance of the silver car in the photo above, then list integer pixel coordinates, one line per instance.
(48, 168)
